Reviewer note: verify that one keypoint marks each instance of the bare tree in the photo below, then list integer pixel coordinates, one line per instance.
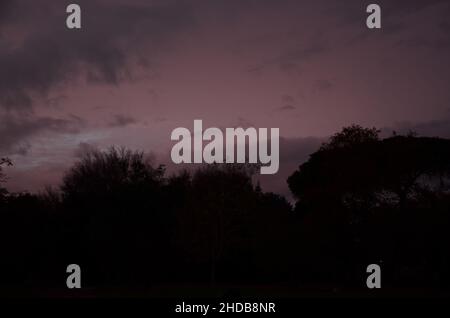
(3, 162)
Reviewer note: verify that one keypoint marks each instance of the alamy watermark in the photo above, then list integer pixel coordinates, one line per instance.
(215, 146)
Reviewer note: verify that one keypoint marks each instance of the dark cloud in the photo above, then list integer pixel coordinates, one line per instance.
(16, 131)
(322, 85)
(288, 99)
(351, 14)
(5, 8)
(56, 102)
(121, 120)
(39, 56)
(403, 7)
(40, 52)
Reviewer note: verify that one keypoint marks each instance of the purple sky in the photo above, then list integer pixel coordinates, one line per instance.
(138, 69)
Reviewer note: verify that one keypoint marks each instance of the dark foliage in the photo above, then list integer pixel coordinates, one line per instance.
(377, 201)
(360, 200)
(3, 191)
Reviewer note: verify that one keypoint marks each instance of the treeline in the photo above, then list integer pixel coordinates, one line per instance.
(360, 200)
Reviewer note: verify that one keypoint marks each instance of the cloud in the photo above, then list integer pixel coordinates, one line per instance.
(121, 120)
(398, 18)
(322, 85)
(288, 99)
(5, 7)
(17, 131)
(349, 12)
(40, 53)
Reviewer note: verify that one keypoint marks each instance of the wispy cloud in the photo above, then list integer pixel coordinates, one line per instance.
(121, 120)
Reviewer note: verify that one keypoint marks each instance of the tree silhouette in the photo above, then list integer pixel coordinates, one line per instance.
(105, 173)
(351, 136)
(360, 199)
(358, 185)
(356, 168)
(221, 218)
(116, 196)
(208, 214)
(3, 162)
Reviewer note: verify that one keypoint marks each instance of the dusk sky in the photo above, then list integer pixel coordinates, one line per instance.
(139, 69)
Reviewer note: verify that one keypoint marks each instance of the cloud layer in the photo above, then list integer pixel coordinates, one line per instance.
(139, 69)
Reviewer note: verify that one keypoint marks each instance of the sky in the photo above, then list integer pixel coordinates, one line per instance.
(138, 69)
